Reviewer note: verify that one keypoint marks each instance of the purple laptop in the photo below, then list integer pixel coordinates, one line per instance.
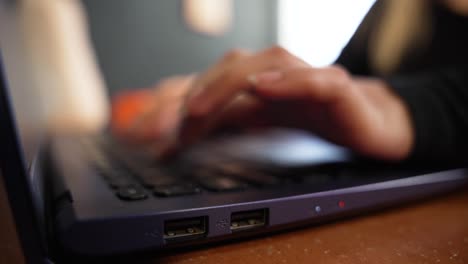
(86, 195)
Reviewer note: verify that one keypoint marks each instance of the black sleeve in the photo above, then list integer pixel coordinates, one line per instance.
(438, 104)
(354, 56)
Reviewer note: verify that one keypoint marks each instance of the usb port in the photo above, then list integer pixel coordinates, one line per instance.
(247, 220)
(185, 229)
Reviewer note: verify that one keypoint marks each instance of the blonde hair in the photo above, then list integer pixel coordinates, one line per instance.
(404, 24)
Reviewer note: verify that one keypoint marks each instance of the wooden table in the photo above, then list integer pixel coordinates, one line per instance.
(435, 231)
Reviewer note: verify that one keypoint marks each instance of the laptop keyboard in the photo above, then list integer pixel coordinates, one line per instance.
(137, 178)
(134, 177)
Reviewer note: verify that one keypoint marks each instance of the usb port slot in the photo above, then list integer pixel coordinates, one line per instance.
(185, 229)
(247, 220)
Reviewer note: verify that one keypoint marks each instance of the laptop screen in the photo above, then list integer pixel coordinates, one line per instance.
(19, 86)
(135, 44)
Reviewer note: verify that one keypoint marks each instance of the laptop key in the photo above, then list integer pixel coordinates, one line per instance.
(152, 182)
(216, 181)
(119, 182)
(175, 190)
(221, 183)
(151, 178)
(251, 175)
(316, 178)
(101, 164)
(117, 178)
(131, 193)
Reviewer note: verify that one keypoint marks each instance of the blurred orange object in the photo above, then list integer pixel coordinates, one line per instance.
(127, 106)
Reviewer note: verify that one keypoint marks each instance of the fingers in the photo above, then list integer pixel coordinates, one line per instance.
(215, 90)
(211, 97)
(320, 85)
(241, 111)
(160, 114)
(198, 89)
(361, 114)
(219, 86)
(332, 106)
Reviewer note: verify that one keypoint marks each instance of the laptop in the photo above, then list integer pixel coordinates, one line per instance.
(88, 195)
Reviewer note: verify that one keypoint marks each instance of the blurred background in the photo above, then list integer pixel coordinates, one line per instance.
(70, 56)
(139, 42)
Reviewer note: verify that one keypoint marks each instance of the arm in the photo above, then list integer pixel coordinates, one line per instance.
(438, 105)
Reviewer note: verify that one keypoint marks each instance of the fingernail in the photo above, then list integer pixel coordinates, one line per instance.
(268, 77)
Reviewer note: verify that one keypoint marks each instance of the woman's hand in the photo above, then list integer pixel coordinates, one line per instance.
(275, 88)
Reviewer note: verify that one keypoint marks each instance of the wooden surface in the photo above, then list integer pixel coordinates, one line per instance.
(10, 251)
(435, 231)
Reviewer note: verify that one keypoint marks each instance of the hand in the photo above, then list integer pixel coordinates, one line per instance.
(273, 87)
(148, 116)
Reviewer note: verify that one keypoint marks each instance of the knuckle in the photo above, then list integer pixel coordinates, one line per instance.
(234, 54)
(282, 58)
(342, 76)
(310, 81)
(279, 52)
(228, 78)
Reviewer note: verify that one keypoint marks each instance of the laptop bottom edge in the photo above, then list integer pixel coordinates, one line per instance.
(155, 231)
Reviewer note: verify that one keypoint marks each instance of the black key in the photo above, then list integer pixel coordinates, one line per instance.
(101, 163)
(316, 178)
(214, 180)
(152, 177)
(113, 173)
(130, 158)
(317, 174)
(249, 174)
(117, 178)
(175, 190)
(97, 157)
(221, 183)
(131, 193)
(119, 182)
(103, 166)
(151, 182)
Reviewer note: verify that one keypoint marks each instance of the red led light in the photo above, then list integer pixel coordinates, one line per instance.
(341, 204)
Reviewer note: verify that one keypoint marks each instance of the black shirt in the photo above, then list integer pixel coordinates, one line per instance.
(433, 82)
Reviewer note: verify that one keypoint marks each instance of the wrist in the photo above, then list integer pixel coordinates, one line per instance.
(392, 136)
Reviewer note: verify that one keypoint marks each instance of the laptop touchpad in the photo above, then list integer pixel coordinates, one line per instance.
(288, 148)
